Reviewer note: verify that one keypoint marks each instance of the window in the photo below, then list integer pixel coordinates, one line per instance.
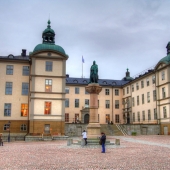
(76, 102)
(67, 90)
(116, 104)
(107, 102)
(155, 114)
(132, 88)
(138, 116)
(147, 81)
(48, 85)
(163, 75)
(7, 109)
(24, 109)
(143, 99)
(154, 95)
(137, 86)
(142, 84)
(76, 90)
(127, 90)
(116, 92)
(86, 102)
(107, 118)
(8, 88)
(163, 93)
(49, 66)
(76, 117)
(47, 108)
(117, 118)
(9, 69)
(23, 127)
(98, 103)
(106, 91)
(133, 101)
(143, 115)
(25, 70)
(149, 115)
(148, 97)
(66, 117)
(25, 88)
(128, 102)
(86, 92)
(133, 117)
(67, 103)
(164, 112)
(153, 79)
(123, 91)
(6, 127)
(137, 100)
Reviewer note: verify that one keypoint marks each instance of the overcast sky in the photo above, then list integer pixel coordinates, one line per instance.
(117, 34)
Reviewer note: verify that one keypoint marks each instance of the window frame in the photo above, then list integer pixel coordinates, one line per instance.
(8, 88)
(47, 107)
(25, 72)
(49, 66)
(77, 90)
(24, 109)
(7, 109)
(48, 85)
(107, 104)
(77, 103)
(107, 92)
(25, 89)
(9, 69)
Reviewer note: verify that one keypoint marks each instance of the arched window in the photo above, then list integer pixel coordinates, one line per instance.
(23, 127)
(6, 127)
(75, 81)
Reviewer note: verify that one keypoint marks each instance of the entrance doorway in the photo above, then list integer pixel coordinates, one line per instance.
(128, 118)
(165, 130)
(144, 131)
(86, 118)
(47, 128)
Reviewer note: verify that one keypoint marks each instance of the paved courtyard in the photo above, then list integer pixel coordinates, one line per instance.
(134, 153)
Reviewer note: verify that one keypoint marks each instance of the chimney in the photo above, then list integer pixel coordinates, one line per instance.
(23, 52)
(67, 75)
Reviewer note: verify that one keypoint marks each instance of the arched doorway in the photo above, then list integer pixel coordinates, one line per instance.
(86, 118)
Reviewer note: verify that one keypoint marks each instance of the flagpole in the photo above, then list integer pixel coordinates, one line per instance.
(82, 69)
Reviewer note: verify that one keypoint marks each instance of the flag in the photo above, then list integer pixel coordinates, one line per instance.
(82, 59)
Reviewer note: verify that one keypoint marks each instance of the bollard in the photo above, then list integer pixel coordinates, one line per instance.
(82, 142)
(117, 142)
(69, 142)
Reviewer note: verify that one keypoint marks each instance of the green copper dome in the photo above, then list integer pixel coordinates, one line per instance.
(165, 60)
(48, 29)
(127, 78)
(48, 43)
(53, 47)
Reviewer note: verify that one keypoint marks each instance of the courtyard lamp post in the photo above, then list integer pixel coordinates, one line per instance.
(9, 123)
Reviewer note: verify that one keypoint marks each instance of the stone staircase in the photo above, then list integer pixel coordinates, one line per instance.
(111, 130)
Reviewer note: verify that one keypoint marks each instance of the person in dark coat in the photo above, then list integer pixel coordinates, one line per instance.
(103, 140)
(1, 142)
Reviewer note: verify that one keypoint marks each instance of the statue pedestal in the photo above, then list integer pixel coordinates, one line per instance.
(93, 128)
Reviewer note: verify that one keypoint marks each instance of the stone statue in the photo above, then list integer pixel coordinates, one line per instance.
(94, 73)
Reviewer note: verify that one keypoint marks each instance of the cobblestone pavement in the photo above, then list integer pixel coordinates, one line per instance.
(134, 153)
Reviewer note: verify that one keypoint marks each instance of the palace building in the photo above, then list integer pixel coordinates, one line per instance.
(37, 96)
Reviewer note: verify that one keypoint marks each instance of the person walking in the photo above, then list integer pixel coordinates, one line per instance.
(1, 142)
(84, 134)
(103, 140)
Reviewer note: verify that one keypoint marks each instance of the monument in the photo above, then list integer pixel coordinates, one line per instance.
(93, 88)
